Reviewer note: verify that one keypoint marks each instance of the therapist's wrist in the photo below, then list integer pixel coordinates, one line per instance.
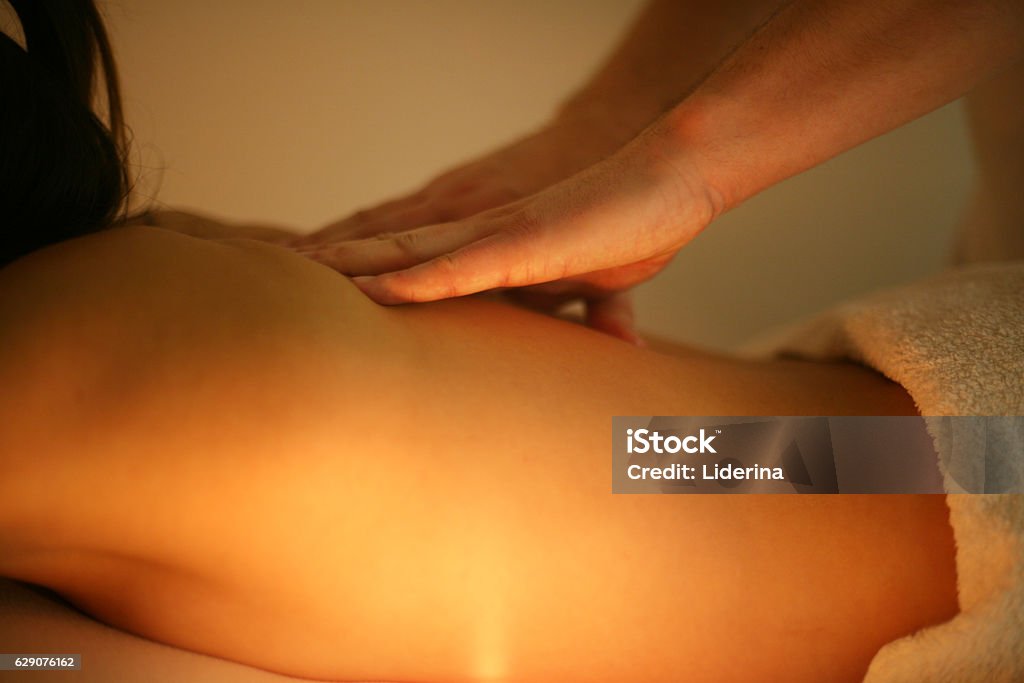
(725, 155)
(614, 122)
(682, 146)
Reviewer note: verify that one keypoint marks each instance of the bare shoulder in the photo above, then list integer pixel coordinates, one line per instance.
(130, 279)
(126, 264)
(144, 343)
(141, 299)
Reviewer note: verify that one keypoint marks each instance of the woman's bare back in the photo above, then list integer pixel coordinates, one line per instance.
(225, 447)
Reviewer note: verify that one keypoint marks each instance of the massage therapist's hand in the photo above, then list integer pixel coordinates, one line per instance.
(590, 236)
(583, 133)
(577, 138)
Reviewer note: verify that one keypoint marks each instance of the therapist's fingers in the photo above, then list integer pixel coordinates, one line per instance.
(423, 208)
(607, 228)
(610, 312)
(388, 252)
(499, 259)
(614, 315)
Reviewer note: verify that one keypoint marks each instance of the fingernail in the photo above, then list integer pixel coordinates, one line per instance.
(364, 283)
(631, 337)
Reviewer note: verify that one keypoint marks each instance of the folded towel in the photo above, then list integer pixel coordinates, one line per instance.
(956, 343)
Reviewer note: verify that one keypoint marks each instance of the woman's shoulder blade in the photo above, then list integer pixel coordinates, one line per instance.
(136, 317)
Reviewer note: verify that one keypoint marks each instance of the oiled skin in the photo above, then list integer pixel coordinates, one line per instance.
(225, 447)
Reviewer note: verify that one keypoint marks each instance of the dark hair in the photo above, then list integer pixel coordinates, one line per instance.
(63, 170)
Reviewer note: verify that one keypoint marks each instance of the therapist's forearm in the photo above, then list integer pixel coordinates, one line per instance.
(821, 77)
(669, 49)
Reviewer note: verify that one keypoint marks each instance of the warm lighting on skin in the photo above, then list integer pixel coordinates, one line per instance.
(487, 588)
(490, 662)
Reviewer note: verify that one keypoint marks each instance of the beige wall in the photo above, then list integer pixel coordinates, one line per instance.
(301, 112)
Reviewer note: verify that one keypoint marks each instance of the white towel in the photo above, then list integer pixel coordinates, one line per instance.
(956, 343)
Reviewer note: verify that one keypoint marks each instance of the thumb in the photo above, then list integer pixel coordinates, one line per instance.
(613, 314)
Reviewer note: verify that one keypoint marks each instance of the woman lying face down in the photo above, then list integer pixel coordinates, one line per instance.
(222, 446)
(216, 444)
